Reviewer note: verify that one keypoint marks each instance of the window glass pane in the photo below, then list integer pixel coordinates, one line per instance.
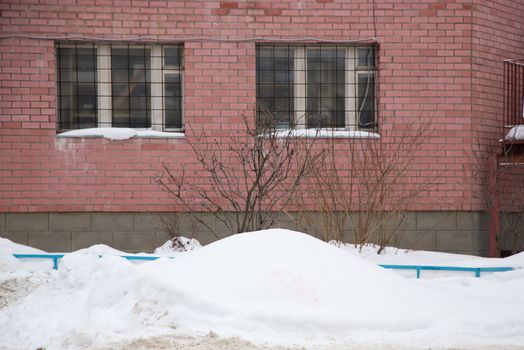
(119, 59)
(366, 57)
(76, 87)
(138, 102)
(119, 75)
(173, 101)
(86, 76)
(282, 77)
(266, 51)
(131, 95)
(275, 85)
(86, 96)
(68, 119)
(172, 57)
(86, 60)
(120, 90)
(67, 57)
(325, 87)
(66, 75)
(121, 118)
(266, 91)
(282, 105)
(366, 100)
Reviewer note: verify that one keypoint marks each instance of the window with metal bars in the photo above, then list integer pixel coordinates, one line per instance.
(317, 86)
(119, 85)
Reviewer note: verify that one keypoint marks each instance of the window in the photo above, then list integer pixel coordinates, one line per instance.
(317, 86)
(120, 85)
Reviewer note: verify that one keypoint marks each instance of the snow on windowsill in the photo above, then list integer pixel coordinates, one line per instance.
(120, 133)
(328, 133)
(516, 133)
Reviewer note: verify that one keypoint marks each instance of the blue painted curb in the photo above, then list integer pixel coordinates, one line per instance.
(56, 257)
(417, 268)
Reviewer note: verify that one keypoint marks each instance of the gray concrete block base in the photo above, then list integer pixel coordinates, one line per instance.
(451, 231)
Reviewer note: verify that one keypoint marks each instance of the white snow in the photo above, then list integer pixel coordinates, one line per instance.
(515, 133)
(327, 133)
(398, 256)
(273, 286)
(7, 246)
(127, 133)
(120, 133)
(101, 249)
(180, 244)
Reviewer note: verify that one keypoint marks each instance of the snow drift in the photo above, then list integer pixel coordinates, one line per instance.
(275, 286)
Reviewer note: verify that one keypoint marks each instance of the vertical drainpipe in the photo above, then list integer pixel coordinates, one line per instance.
(493, 205)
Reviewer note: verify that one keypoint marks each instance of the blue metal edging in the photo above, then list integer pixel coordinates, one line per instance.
(419, 268)
(56, 257)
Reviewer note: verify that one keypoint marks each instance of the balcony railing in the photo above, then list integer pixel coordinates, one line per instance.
(513, 92)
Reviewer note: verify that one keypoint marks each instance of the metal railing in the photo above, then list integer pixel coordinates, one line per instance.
(417, 268)
(513, 92)
(56, 257)
(476, 270)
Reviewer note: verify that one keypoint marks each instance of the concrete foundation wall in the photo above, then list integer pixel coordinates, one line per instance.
(458, 232)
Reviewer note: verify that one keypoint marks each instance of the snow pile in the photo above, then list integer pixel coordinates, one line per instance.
(16, 278)
(7, 246)
(397, 256)
(177, 245)
(120, 133)
(9, 264)
(275, 286)
(100, 249)
(515, 133)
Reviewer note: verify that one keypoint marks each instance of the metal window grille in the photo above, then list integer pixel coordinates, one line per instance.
(119, 85)
(513, 92)
(312, 86)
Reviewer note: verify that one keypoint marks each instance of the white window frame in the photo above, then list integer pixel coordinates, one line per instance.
(167, 70)
(359, 73)
(105, 107)
(157, 72)
(365, 70)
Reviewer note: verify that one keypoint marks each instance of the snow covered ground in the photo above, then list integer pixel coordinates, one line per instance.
(272, 289)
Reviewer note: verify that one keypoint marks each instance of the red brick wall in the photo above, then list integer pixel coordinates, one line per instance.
(498, 34)
(430, 56)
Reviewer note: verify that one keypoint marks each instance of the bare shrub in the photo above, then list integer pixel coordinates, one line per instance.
(325, 203)
(367, 184)
(180, 240)
(245, 179)
(509, 178)
(499, 177)
(501, 180)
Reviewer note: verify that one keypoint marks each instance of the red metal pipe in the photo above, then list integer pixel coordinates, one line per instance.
(493, 206)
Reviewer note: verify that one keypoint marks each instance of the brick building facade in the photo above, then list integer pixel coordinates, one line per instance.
(439, 61)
